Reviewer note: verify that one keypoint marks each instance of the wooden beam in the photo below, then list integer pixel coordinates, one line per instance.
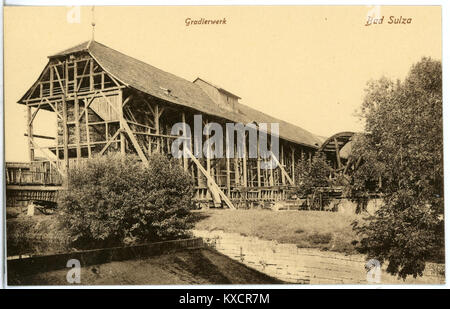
(110, 141)
(54, 108)
(283, 178)
(185, 159)
(123, 140)
(35, 145)
(87, 104)
(210, 181)
(283, 171)
(134, 142)
(34, 115)
(125, 126)
(41, 136)
(30, 134)
(338, 157)
(244, 161)
(76, 111)
(156, 121)
(65, 136)
(82, 76)
(59, 79)
(293, 164)
(127, 100)
(88, 133)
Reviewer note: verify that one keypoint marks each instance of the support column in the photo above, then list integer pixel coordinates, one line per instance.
(283, 179)
(293, 164)
(122, 130)
(66, 135)
(185, 159)
(30, 134)
(258, 166)
(77, 127)
(88, 134)
(244, 161)
(156, 120)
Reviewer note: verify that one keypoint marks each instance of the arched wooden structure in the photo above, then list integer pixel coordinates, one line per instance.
(332, 149)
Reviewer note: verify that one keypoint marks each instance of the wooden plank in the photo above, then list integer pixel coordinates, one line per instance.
(77, 127)
(156, 121)
(48, 158)
(185, 159)
(122, 133)
(41, 136)
(34, 115)
(282, 169)
(211, 181)
(338, 157)
(30, 134)
(283, 178)
(293, 163)
(134, 142)
(65, 135)
(88, 133)
(125, 126)
(110, 141)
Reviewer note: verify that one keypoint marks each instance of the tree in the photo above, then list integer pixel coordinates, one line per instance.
(114, 200)
(403, 148)
(312, 175)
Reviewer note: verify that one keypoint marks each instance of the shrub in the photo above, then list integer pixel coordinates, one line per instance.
(312, 175)
(116, 200)
(35, 235)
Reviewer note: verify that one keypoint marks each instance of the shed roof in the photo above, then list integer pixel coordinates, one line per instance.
(156, 82)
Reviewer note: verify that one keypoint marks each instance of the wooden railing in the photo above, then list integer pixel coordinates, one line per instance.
(34, 173)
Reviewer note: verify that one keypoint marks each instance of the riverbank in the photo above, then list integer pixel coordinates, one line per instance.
(330, 231)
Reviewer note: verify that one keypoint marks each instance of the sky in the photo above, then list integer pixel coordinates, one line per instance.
(307, 65)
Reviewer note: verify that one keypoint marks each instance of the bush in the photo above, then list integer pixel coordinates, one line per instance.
(35, 235)
(114, 200)
(311, 176)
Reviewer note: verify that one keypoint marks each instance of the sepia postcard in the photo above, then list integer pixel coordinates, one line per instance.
(223, 145)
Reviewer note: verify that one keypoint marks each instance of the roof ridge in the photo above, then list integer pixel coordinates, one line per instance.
(153, 81)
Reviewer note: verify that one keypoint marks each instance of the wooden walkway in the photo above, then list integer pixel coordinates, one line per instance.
(31, 182)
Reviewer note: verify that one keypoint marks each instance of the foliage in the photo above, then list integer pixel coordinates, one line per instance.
(403, 148)
(35, 235)
(114, 200)
(311, 176)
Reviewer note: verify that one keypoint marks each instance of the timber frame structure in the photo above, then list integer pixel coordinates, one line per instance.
(106, 101)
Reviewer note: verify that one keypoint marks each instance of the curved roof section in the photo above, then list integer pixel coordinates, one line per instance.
(156, 82)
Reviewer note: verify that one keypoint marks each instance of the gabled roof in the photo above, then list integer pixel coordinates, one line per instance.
(156, 82)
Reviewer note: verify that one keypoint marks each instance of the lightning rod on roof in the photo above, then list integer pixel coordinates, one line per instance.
(93, 22)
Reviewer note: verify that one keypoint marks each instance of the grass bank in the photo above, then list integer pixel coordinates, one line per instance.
(198, 266)
(308, 229)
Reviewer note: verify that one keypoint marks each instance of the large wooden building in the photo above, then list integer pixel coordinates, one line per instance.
(106, 101)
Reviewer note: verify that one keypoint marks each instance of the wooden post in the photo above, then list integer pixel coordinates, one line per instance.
(338, 157)
(30, 134)
(91, 76)
(122, 131)
(185, 159)
(57, 136)
(77, 127)
(88, 135)
(236, 168)
(283, 179)
(293, 164)
(244, 161)
(52, 78)
(156, 121)
(66, 135)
